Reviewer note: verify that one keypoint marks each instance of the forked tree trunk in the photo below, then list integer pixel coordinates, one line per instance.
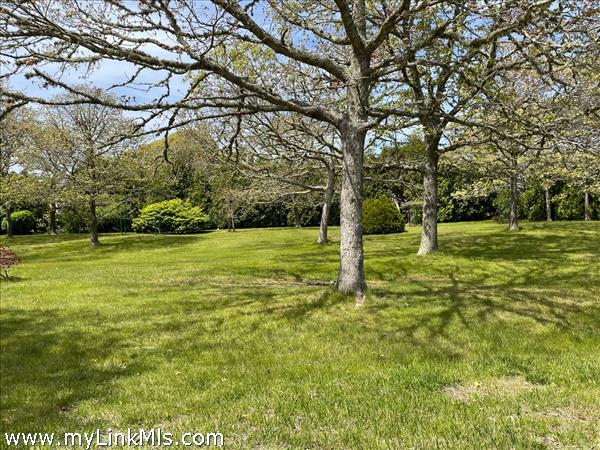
(548, 209)
(513, 213)
(429, 234)
(587, 214)
(93, 222)
(52, 219)
(326, 212)
(9, 222)
(351, 278)
(295, 212)
(230, 223)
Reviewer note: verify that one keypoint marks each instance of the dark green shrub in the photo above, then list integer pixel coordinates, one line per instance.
(380, 216)
(569, 204)
(73, 219)
(455, 209)
(533, 204)
(171, 216)
(24, 222)
(115, 217)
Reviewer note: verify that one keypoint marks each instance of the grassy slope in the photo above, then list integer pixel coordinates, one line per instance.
(233, 333)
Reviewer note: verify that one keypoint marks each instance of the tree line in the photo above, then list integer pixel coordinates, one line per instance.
(503, 91)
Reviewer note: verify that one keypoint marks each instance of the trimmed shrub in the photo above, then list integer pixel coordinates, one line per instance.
(380, 216)
(24, 222)
(171, 216)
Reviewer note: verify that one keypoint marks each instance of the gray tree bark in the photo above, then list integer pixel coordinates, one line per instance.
(93, 221)
(9, 222)
(326, 212)
(548, 209)
(351, 277)
(587, 213)
(429, 234)
(513, 213)
(52, 219)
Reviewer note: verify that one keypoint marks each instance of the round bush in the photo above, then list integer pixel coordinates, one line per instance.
(24, 222)
(380, 216)
(170, 216)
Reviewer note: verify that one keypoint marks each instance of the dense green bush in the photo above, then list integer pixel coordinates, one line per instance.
(380, 216)
(569, 204)
(73, 219)
(171, 216)
(24, 222)
(116, 217)
(453, 209)
(532, 204)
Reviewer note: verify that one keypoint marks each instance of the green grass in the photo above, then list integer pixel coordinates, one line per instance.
(492, 343)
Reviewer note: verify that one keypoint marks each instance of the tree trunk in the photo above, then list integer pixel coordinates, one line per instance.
(351, 276)
(9, 222)
(513, 213)
(587, 214)
(548, 209)
(429, 235)
(352, 129)
(93, 222)
(297, 223)
(52, 219)
(232, 223)
(329, 188)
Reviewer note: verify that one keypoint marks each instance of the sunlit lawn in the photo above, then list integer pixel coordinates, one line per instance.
(492, 343)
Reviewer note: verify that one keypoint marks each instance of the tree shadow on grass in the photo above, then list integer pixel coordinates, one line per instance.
(80, 250)
(521, 246)
(471, 303)
(303, 310)
(48, 367)
(11, 279)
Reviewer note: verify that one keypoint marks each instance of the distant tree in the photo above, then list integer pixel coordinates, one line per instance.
(396, 172)
(13, 138)
(286, 155)
(83, 143)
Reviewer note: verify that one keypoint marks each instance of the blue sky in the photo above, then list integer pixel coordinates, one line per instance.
(106, 74)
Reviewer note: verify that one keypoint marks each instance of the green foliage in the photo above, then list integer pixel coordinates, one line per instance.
(569, 204)
(458, 209)
(414, 212)
(73, 219)
(116, 216)
(380, 216)
(24, 222)
(533, 204)
(170, 216)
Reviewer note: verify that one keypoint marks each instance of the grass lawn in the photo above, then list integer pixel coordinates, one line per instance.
(492, 343)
